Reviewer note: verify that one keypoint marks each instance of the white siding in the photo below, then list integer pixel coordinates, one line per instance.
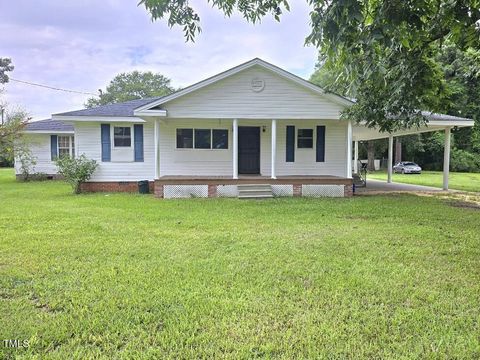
(219, 162)
(39, 144)
(121, 167)
(233, 97)
(305, 159)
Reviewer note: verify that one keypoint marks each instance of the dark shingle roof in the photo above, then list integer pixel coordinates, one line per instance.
(119, 109)
(48, 125)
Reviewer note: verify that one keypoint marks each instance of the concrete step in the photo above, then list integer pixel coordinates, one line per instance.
(242, 196)
(263, 187)
(254, 191)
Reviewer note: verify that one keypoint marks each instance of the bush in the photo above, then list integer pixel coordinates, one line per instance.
(76, 170)
(26, 160)
(464, 161)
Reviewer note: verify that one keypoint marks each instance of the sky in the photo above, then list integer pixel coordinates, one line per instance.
(81, 45)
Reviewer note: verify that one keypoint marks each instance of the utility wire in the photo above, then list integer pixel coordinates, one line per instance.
(52, 88)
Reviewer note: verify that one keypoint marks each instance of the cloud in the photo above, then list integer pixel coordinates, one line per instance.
(82, 45)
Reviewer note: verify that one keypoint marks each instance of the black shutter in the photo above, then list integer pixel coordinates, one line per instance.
(290, 144)
(53, 147)
(320, 143)
(105, 135)
(138, 142)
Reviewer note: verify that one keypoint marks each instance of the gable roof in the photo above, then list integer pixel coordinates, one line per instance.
(255, 62)
(48, 125)
(123, 109)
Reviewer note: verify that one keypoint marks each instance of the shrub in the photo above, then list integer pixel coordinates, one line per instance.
(76, 170)
(27, 162)
(464, 161)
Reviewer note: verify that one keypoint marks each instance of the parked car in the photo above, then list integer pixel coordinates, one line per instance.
(407, 167)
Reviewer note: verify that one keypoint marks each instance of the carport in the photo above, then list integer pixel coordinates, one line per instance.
(436, 122)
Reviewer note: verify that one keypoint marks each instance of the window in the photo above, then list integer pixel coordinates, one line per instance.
(122, 136)
(202, 139)
(305, 139)
(66, 145)
(184, 138)
(220, 139)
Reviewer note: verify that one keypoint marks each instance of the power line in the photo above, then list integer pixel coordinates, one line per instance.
(52, 88)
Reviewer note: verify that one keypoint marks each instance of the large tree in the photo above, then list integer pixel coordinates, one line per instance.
(384, 47)
(130, 86)
(5, 66)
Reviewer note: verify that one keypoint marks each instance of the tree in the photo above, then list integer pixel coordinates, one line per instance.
(76, 170)
(385, 48)
(5, 66)
(130, 86)
(462, 77)
(11, 134)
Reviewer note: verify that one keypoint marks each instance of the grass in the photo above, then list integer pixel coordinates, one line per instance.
(457, 181)
(130, 276)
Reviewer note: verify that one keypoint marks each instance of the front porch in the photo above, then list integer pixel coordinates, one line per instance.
(224, 186)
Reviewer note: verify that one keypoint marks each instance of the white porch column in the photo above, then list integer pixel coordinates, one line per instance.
(355, 157)
(274, 147)
(235, 148)
(446, 159)
(156, 130)
(390, 159)
(349, 150)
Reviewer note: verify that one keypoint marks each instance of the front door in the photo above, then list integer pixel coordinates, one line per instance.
(248, 150)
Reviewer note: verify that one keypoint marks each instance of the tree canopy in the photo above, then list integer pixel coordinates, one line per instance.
(5, 66)
(384, 48)
(130, 86)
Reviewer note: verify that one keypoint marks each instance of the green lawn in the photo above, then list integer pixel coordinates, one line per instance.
(130, 276)
(457, 181)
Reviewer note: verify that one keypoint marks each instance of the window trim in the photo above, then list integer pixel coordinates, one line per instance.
(296, 139)
(211, 138)
(112, 133)
(71, 141)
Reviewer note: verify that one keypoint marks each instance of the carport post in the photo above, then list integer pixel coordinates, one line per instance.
(355, 157)
(390, 159)
(446, 159)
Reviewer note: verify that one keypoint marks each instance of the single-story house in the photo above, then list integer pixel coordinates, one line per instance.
(253, 130)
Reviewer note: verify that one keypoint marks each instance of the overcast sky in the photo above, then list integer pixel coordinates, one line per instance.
(81, 45)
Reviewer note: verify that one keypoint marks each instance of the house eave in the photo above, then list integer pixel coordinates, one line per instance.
(66, 118)
(48, 132)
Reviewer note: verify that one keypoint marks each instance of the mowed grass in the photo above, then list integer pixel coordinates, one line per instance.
(457, 181)
(129, 276)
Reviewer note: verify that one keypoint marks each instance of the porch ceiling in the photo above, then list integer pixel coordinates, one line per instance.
(362, 133)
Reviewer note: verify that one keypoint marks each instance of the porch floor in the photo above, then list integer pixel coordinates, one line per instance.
(254, 179)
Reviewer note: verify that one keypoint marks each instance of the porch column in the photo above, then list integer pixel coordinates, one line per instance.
(446, 159)
(355, 157)
(390, 159)
(274, 147)
(349, 150)
(156, 129)
(235, 149)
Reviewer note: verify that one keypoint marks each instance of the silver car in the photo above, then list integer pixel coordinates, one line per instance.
(407, 167)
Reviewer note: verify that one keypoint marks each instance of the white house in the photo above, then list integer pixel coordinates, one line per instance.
(254, 130)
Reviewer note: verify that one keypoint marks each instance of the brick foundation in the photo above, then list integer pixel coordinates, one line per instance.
(348, 190)
(114, 186)
(158, 190)
(39, 177)
(297, 190)
(212, 191)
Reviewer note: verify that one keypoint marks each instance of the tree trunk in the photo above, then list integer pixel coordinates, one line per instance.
(371, 155)
(398, 150)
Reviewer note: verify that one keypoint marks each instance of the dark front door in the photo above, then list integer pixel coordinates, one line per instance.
(248, 150)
